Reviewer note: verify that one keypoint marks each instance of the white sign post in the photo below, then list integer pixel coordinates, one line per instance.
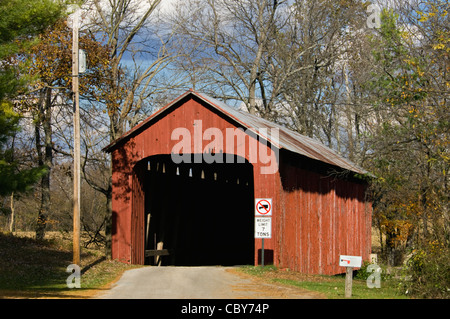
(349, 262)
(263, 221)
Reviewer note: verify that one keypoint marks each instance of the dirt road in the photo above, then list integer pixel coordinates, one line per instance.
(198, 283)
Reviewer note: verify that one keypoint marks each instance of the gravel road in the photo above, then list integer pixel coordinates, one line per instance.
(197, 283)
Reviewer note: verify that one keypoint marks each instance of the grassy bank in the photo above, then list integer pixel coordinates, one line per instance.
(332, 287)
(37, 269)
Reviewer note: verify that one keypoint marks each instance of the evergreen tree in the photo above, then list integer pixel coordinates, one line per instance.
(20, 22)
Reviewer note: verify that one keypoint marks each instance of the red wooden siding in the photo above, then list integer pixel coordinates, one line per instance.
(137, 218)
(155, 140)
(324, 217)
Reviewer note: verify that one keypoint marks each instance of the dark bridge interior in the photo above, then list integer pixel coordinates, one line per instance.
(198, 214)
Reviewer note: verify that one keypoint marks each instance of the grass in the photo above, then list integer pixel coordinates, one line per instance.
(332, 287)
(37, 269)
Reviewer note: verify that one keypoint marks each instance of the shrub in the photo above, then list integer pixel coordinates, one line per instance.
(363, 273)
(429, 271)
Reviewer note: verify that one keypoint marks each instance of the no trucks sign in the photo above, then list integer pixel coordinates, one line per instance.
(263, 207)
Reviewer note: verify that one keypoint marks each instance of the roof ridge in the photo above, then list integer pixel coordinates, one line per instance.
(288, 139)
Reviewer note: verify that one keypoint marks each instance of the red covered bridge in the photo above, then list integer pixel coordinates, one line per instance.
(185, 182)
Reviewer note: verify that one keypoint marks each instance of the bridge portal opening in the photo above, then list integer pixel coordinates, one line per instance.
(198, 214)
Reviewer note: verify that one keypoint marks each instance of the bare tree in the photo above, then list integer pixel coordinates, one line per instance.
(325, 39)
(138, 55)
(229, 42)
(283, 59)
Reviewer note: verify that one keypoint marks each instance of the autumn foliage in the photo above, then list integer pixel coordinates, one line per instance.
(51, 62)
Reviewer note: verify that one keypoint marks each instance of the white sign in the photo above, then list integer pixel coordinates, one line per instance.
(82, 61)
(350, 261)
(263, 227)
(263, 207)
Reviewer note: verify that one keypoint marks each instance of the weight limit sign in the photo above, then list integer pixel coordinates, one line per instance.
(263, 227)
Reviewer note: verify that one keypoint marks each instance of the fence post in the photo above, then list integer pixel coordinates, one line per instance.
(348, 281)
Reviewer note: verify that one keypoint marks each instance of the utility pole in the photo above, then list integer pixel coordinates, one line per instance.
(76, 147)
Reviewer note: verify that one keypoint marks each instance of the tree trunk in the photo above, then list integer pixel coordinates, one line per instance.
(11, 221)
(108, 221)
(46, 160)
(394, 251)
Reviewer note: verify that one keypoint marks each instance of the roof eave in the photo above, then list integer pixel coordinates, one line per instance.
(280, 143)
(109, 148)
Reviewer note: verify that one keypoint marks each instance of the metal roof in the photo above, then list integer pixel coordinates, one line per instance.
(287, 139)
